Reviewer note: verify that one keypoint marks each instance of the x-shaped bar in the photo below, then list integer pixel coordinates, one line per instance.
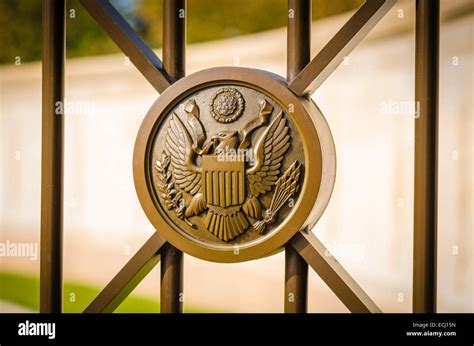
(146, 61)
(332, 273)
(307, 81)
(345, 40)
(140, 54)
(129, 276)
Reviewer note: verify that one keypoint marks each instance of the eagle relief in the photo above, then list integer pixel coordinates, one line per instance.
(225, 165)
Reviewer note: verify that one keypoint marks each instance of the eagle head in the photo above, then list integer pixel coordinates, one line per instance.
(226, 140)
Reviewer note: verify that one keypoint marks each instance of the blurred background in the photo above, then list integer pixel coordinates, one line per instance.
(367, 102)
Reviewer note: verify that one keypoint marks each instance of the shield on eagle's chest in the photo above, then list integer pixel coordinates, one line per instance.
(223, 182)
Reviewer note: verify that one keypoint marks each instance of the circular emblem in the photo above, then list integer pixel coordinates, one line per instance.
(227, 105)
(233, 192)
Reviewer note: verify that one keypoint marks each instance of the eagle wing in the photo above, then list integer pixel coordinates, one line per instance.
(179, 144)
(269, 153)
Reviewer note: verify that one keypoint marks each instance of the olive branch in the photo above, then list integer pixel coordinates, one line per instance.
(173, 198)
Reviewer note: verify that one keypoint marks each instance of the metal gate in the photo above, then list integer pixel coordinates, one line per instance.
(304, 76)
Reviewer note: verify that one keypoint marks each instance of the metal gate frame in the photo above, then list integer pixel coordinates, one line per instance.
(304, 76)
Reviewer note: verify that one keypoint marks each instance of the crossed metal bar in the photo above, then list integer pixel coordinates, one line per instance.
(140, 54)
(304, 83)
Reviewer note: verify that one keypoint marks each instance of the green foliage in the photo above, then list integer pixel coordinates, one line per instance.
(206, 20)
(21, 30)
(84, 36)
(24, 290)
(212, 20)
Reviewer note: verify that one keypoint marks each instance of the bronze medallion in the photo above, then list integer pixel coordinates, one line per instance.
(228, 164)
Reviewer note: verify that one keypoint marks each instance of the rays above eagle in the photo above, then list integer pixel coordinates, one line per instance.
(227, 191)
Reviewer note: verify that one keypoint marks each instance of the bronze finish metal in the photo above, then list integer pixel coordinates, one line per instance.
(298, 37)
(296, 281)
(129, 276)
(140, 54)
(226, 105)
(174, 46)
(171, 293)
(52, 156)
(345, 40)
(212, 206)
(300, 114)
(298, 56)
(332, 273)
(215, 180)
(426, 156)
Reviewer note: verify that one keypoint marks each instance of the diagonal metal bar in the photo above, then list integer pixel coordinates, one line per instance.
(332, 273)
(140, 54)
(345, 40)
(128, 277)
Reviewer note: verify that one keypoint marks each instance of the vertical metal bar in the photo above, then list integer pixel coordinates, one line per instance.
(426, 152)
(174, 44)
(296, 282)
(174, 37)
(298, 56)
(298, 37)
(52, 156)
